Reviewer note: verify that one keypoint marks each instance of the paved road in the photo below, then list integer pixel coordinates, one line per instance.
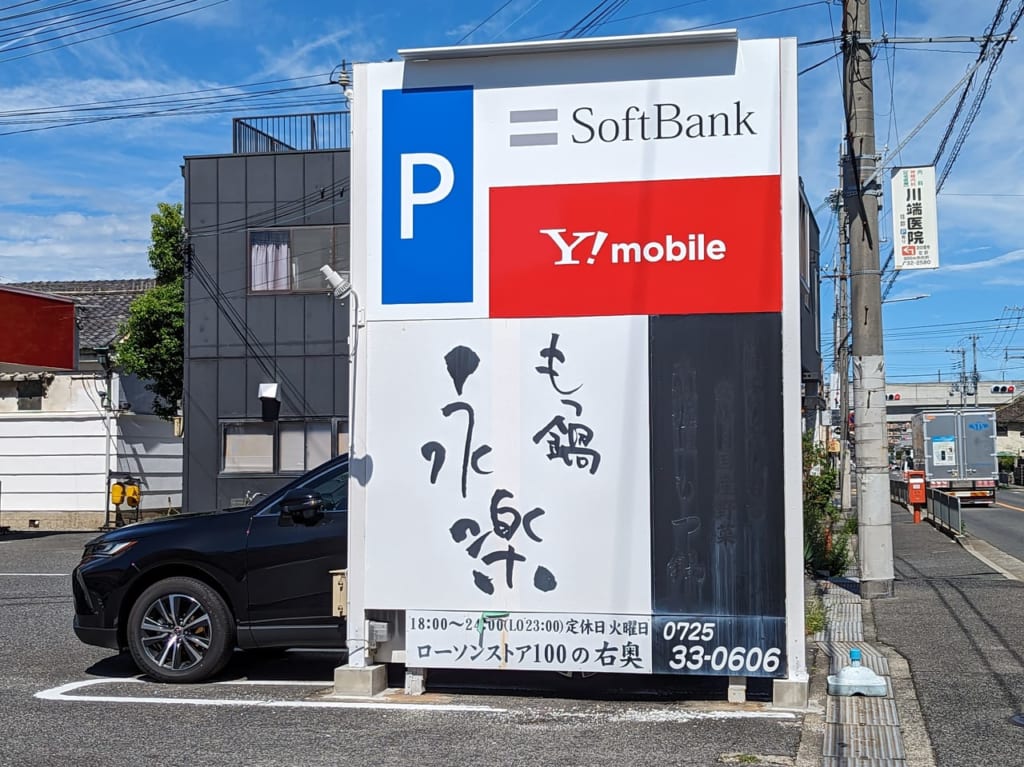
(62, 702)
(960, 625)
(1002, 524)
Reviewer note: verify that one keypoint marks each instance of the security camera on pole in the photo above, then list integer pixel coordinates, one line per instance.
(861, 192)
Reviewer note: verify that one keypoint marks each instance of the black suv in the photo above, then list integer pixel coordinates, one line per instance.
(182, 592)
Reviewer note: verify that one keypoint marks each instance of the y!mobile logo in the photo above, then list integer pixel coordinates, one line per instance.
(427, 196)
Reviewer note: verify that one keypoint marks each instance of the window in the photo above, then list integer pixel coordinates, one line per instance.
(303, 445)
(289, 259)
(284, 447)
(248, 447)
(30, 395)
(342, 432)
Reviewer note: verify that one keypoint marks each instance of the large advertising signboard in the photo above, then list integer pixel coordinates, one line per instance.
(577, 274)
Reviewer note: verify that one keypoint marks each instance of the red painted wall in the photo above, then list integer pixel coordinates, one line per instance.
(36, 330)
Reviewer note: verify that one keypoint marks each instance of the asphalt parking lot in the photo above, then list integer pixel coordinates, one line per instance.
(65, 702)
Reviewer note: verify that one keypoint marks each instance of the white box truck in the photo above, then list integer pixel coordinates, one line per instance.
(956, 450)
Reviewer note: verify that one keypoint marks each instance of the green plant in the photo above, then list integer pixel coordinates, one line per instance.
(152, 338)
(850, 525)
(826, 540)
(814, 616)
(1007, 462)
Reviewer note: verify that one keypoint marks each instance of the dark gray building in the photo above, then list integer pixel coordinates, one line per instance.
(258, 316)
(813, 400)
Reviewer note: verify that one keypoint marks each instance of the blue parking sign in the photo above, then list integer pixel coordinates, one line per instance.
(427, 196)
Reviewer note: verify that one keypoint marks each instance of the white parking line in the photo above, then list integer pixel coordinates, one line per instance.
(64, 692)
(36, 575)
(654, 714)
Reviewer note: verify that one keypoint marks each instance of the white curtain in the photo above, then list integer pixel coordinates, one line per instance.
(270, 266)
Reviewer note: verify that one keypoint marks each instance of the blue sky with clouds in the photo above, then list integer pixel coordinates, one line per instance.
(77, 187)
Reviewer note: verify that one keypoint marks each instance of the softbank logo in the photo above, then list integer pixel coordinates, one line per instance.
(664, 121)
(541, 135)
(589, 248)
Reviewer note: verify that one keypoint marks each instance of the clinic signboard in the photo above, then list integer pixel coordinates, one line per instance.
(576, 375)
(915, 226)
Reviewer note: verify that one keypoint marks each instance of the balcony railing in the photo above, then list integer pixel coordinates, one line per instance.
(290, 133)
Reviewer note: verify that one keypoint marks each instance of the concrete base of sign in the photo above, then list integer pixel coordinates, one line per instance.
(364, 681)
(737, 689)
(415, 681)
(876, 589)
(789, 693)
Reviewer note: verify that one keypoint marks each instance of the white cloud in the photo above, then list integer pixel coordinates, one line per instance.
(73, 245)
(995, 262)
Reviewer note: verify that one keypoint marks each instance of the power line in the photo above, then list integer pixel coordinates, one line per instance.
(594, 18)
(565, 32)
(756, 15)
(37, 11)
(820, 63)
(116, 31)
(272, 99)
(494, 13)
(132, 101)
(108, 12)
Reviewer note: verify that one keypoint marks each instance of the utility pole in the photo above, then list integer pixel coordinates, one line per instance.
(861, 192)
(961, 383)
(974, 366)
(842, 351)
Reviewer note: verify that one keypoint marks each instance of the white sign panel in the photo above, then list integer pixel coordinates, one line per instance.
(511, 465)
(914, 219)
(529, 641)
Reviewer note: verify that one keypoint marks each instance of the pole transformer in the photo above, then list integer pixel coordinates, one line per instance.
(862, 197)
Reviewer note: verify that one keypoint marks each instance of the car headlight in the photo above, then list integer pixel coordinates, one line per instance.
(106, 548)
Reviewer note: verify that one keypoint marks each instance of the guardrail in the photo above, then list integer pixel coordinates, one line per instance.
(942, 508)
(899, 489)
(944, 511)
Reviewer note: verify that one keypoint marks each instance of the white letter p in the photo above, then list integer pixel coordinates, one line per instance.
(409, 198)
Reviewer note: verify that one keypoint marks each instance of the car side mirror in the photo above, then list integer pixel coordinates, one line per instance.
(303, 506)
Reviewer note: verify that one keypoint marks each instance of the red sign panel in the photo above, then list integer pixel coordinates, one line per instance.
(37, 331)
(699, 246)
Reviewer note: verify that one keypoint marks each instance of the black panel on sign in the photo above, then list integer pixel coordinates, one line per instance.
(716, 465)
(729, 646)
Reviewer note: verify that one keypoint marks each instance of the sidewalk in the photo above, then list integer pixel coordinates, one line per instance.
(950, 645)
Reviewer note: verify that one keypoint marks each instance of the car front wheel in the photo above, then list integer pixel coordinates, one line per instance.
(180, 630)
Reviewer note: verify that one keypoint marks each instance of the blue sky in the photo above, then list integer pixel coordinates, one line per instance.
(75, 200)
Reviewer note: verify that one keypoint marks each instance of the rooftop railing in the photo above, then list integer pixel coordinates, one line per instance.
(290, 133)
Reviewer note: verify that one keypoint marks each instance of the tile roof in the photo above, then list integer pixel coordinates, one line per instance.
(101, 305)
(1012, 411)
